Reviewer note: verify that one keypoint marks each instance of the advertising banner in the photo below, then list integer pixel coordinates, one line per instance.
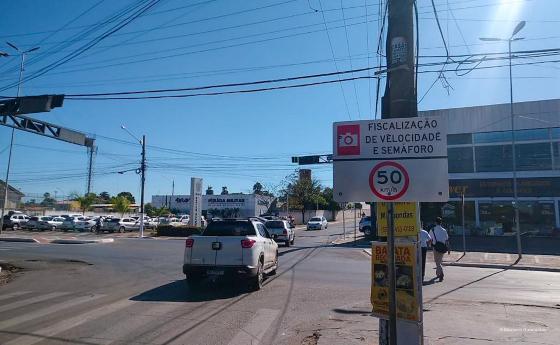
(405, 217)
(196, 202)
(408, 303)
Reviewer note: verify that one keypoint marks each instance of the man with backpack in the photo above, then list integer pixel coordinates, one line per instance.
(440, 240)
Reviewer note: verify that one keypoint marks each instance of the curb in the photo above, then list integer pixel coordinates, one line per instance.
(496, 266)
(502, 266)
(103, 240)
(18, 239)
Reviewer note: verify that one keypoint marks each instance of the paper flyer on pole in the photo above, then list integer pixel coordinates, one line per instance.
(407, 289)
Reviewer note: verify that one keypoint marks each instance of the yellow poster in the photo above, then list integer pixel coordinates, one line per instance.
(407, 290)
(405, 219)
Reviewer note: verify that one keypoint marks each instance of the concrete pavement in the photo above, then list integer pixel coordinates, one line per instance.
(132, 292)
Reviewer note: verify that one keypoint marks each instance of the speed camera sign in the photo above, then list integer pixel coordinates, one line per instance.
(401, 159)
(389, 180)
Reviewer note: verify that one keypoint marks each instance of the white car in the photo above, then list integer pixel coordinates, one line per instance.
(283, 230)
(51, 223)
(231, 248)
(317, 223)
(85, 224)
(70, 223)
(121, 225)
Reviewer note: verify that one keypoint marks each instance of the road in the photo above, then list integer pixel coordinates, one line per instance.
(133, 292)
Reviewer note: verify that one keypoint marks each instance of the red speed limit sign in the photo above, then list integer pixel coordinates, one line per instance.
(389, 180)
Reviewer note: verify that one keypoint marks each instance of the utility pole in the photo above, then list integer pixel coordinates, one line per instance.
(6, 181)
(143, 178)
(91, 151)
(399, 100)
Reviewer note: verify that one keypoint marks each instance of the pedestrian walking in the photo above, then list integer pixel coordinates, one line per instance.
(98, 224)
(440, 241)
(425, 243)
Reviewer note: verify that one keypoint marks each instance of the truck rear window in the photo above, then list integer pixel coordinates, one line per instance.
(229, 229)
(274, 224)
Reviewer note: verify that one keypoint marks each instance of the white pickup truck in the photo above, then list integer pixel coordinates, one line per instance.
(234, 248)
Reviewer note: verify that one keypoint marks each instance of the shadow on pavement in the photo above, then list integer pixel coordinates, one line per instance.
(46, 338)
(177, 291)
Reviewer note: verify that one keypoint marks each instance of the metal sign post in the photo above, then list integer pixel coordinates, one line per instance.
(463, 221)
(392, 277)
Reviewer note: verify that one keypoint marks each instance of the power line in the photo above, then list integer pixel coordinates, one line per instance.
(350, 57)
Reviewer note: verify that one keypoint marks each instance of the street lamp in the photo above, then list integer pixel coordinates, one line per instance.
(512, 38)
(142, 178)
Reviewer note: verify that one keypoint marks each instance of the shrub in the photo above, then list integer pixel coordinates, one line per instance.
(177, 231)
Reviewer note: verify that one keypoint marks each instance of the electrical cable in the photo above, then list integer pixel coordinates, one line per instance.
(350, 58)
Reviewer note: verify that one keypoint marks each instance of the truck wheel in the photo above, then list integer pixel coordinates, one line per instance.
(121, 229)
(15, 226)
(287, 243)
(257, 280)
(293, 240)
(367, 231)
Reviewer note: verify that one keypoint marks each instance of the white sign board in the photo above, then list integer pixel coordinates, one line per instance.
(402, 159)
(196, 202)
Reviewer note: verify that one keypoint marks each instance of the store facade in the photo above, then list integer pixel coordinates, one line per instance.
(481, 169)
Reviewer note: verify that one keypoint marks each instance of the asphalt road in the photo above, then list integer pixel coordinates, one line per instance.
(133, 292)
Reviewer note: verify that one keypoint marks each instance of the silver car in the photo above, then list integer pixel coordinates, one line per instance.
(283, 230)
(121, 225)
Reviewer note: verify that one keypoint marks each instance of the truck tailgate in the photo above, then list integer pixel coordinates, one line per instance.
(230, 252)
(215, 251)
(201, 252)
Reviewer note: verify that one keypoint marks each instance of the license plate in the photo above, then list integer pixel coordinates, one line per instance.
(215, 272)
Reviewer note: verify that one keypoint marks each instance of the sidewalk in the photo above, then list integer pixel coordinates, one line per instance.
(546, 263)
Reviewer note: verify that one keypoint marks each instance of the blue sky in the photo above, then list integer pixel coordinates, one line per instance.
(236, 140)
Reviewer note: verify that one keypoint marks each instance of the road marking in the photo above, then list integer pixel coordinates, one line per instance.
(537, 260)
(31, 300)
(14, 294)
(255, 330)
(42, 334)
(47, 311)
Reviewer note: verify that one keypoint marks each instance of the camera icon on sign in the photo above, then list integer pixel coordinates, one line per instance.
(347, 139)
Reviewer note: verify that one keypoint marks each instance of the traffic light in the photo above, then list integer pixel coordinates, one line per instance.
(30, 104)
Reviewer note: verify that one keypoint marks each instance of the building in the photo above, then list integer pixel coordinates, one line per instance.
(229, 205)
(480, 168)
(14, 196)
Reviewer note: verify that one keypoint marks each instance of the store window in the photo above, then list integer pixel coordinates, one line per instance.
(533, 156)
(492, 137)
(496, 218)
(556, 155)
(532, 134)
(453, 218)
(493, 158)
(536, 218)
(459, 139)
(460, 159)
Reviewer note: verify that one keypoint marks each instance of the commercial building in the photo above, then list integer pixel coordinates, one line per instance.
(229, 205)
(481, 168)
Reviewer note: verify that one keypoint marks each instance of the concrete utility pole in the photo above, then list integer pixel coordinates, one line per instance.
(6, 181)
(91, 150)
(399, 100)
(143, 172)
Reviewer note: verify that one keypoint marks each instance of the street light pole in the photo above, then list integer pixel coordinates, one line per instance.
(6, 181)
(518, 28)
(142, 176)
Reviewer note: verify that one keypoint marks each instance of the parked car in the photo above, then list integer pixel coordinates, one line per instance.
(317, 223)
(283, 230)
(121, 225)
(235, 248)
(365, 226)
(85, 224)
(69, 223)
(51, 223)
(32, 223)
(15, 221)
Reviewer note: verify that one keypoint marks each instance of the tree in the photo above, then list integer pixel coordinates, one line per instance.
(224, 191)
(330, 204)
(209, 191)
(120, 204)
(85, 201)
(257, 188)
(304, 194)
(127, 195)
(48, 201)
(104, 198)
(152, 211)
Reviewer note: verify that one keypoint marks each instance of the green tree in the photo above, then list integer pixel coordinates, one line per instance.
(258, 188)
(329, 203)
(104, 198)
(127, 195)
(120, 204)
(85, 201)
(153, 211)
(209, 191)
(304, 194)
(48, 201)
(224, 191)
